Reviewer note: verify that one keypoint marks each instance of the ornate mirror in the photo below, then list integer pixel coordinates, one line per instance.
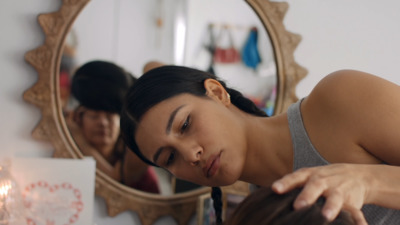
(46, 94)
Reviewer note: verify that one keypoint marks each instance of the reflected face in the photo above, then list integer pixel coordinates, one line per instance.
(197, 139)
(100, 128)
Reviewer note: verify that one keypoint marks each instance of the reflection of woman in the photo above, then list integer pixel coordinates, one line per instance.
(266, 207)
(99, 132)
(99, 88)
(192, 124)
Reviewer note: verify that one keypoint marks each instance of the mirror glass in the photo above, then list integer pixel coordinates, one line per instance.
(130, 34)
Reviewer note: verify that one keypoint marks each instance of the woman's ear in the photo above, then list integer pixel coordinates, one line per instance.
(215, 90)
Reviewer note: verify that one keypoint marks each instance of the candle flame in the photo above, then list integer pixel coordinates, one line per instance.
(4, 188)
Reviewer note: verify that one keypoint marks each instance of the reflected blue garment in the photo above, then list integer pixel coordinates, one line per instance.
(250, 54)
(305, 155)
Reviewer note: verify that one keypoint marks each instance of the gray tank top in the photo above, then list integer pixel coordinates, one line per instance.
(305, 155)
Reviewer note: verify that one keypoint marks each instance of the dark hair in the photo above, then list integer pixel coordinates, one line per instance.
(101, 85)
(163, 83)
(264, 206)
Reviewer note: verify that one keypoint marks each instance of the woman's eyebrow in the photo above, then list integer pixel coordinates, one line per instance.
(167, 130)
(172, 117)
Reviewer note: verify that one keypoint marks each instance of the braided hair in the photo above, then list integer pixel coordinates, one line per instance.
(216, 195)
(166, 82)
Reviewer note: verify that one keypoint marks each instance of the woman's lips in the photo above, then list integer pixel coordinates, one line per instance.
(212, 166)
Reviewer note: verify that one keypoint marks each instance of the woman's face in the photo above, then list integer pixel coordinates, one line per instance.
(196, 139)
(100, 128)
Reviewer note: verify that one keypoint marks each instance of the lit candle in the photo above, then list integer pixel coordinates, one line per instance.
(4, 188)
(10, 201)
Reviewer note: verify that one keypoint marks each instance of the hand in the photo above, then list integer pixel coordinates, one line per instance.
(345, 186)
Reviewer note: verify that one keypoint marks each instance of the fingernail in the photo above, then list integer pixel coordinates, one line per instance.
(278, 186)
(328, 214)
(300, 204)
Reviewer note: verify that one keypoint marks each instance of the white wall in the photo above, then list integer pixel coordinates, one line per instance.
(342, 34)
(20, 32)
(338, 34)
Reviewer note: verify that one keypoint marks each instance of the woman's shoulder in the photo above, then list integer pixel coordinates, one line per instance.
(352, 88)
(352, 101)
(342, 82)
(350, 98)
(358, 109)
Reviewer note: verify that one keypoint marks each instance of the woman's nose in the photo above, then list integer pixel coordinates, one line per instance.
(103, 120)
(192, 153)
(196, 159)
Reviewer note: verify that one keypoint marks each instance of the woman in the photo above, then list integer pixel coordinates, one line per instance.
(267, 207)
(97, 134)
(190, 123)
(99, 87)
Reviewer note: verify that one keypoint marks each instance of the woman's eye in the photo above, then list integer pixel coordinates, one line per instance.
(171, 158)
(93, 117)
(186, 124)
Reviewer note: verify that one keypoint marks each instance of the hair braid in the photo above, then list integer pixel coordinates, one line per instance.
(244, 103)
(216, 195)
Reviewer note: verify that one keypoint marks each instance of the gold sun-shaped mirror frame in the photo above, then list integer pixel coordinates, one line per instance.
(52, 127)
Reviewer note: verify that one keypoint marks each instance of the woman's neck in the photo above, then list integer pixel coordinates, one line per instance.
(106, 151)
(269, 151)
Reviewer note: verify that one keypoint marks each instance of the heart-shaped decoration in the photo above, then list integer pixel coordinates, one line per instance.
(58, 204)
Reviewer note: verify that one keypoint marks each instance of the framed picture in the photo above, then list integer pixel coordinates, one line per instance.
(205, 209)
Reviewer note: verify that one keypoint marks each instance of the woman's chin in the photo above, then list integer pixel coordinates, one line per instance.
(224, 182)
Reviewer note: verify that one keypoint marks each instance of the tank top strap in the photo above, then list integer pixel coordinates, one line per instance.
(304, 153)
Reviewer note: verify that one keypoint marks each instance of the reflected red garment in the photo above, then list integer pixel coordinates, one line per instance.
(64, 79)
(148, 182)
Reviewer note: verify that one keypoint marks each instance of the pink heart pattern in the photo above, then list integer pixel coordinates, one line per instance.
(58, 204)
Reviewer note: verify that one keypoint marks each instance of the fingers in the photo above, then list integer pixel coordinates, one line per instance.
(333, 206)
(335, 201)
(340, 184)
(357, 215)
(291, 181)
(309, 194)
